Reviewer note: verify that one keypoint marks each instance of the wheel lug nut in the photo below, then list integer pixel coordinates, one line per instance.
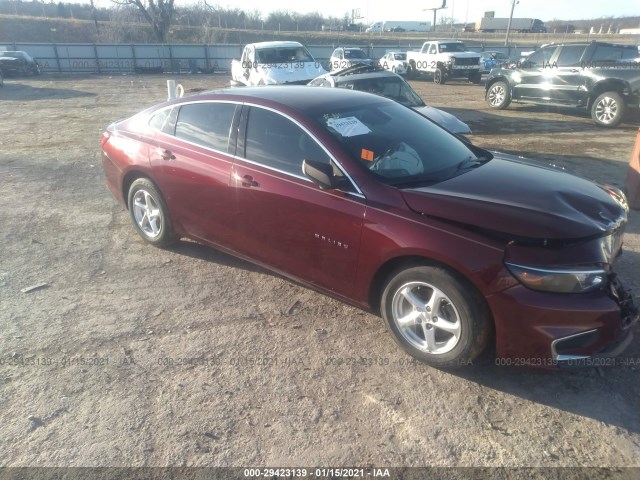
(435, 319)
(428, 309)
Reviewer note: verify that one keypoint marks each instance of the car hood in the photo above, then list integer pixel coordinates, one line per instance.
(445, 119)
(463, 54)
(522, 200)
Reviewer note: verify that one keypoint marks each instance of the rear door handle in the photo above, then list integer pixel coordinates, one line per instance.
(165, 154)
(248, 181)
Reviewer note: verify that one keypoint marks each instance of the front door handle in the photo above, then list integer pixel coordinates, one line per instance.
(246, 180)
(165, 154)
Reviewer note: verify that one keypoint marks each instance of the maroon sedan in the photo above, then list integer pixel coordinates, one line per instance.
(368, 201)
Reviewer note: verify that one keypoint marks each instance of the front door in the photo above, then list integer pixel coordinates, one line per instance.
(282, 218)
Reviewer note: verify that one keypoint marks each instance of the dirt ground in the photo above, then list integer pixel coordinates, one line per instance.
(135, 356)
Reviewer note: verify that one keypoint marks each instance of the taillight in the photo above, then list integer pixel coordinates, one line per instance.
(105, 138)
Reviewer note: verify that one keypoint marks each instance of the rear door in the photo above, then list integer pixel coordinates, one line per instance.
(567, 83)
(283, 219)
(192, 164)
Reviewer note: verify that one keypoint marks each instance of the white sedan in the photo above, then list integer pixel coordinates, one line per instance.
(395, 62)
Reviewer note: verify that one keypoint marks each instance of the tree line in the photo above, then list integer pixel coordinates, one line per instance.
(161, 15)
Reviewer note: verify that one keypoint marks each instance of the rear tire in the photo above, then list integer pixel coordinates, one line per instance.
(435, 317)
(608, 109)
(149, 213)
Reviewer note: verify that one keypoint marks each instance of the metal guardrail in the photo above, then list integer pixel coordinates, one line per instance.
(156, 58)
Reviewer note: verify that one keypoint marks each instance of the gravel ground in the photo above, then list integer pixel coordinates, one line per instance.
(135, 356)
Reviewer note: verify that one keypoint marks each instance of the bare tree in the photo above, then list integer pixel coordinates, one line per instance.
(158, 13)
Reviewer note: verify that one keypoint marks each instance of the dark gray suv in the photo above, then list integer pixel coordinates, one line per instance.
(601, 77)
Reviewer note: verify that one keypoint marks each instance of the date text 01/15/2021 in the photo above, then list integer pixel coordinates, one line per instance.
(316, 472)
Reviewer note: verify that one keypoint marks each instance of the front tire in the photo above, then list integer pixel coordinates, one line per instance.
(439, 76)
(608, 109)
(498, 95)
(149, 213)
(435, 317)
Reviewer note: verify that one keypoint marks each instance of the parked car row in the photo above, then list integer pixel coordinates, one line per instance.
(601, 77)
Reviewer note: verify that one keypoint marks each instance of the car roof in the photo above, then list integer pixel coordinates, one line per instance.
(304, 99)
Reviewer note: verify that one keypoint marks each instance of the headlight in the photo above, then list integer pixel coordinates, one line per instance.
(452, 60)
(560, 280)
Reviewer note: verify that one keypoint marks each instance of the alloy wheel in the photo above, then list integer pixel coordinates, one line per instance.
(497, 95)
(147, 213)
(606, 110)
(426, 318)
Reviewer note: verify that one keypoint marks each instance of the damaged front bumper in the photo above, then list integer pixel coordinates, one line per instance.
(563, 350)
(563, 329)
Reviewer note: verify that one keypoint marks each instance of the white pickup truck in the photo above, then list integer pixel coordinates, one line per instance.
(274, 63)
(445, 59)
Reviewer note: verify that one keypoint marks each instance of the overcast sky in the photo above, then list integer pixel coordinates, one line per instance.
(471, 10)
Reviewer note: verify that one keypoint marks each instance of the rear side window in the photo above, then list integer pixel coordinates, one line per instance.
(206, 124)
(613, 53)
(165, 120)
(275, 141)
(570, 55)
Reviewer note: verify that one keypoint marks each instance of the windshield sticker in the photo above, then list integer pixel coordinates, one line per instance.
(348, 126)
(366, 155)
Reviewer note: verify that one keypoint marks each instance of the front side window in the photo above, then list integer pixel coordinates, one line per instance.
(275, 141)
(433, 49)
(206, 124)
(539, 58)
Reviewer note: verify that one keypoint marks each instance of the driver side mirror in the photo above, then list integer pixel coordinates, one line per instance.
(320, 173)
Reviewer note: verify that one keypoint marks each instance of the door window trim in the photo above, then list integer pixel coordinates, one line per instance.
(231, 144)
(300, 176)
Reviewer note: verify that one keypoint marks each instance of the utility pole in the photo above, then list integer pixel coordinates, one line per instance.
(513, 6)
(444, 5)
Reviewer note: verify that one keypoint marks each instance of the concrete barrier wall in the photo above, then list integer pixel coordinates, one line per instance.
(118, 58)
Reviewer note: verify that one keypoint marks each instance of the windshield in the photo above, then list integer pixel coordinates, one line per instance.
(354, 54)
(283, 55)
(399, 146)
(391, 87)
(452, 47)
(400, 56)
